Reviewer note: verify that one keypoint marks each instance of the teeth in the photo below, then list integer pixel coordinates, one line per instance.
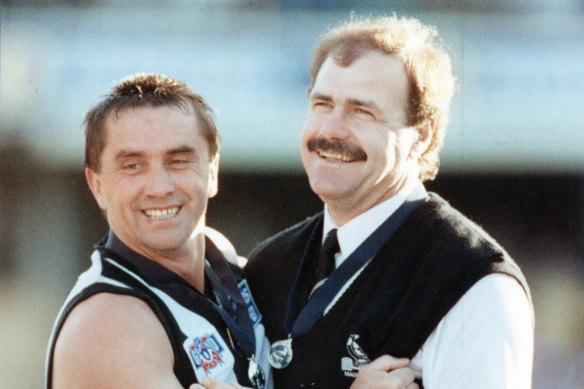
(326, 154)
(161, 213)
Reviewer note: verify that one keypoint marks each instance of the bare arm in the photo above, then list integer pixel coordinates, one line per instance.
(113, 341)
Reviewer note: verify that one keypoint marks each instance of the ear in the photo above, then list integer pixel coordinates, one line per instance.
(213, 177)
(94, 182)
(422, 141)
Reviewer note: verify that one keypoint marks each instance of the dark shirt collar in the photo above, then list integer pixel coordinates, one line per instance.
(146, 267)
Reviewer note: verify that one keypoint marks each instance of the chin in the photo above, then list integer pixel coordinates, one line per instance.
(328, 194)
(328, 186)
(165, 243)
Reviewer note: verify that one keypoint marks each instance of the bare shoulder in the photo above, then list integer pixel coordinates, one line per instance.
(113, 340)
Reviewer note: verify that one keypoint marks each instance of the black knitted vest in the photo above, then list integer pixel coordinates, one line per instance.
(435, 256)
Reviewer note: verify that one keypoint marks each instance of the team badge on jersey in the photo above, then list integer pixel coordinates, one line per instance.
(254, 312)
(356, 359)
(206, 353)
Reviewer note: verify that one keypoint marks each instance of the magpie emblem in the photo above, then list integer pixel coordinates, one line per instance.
(357, 357)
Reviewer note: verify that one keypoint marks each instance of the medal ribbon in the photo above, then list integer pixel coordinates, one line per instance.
(316, 305)
(228, 292)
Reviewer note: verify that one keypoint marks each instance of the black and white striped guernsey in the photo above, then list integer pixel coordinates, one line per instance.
(196, 331)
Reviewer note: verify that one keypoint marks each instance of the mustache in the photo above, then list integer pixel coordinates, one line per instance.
(349, 149)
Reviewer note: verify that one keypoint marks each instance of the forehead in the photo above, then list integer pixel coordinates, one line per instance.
(149, 126)
(372, 76)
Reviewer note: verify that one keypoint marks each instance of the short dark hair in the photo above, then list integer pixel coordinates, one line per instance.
(145, 89)
(427, 65)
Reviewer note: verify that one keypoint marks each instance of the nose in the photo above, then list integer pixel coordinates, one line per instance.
(335, 126)
(159, 182)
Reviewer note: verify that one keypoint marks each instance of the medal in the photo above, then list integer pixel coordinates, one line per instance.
(298, 322)
(280, 354)
(256, 374)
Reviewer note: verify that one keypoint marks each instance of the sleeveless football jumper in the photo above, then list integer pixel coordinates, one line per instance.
(196, 331)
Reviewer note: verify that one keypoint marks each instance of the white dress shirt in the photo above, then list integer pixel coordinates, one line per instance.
(484, 342)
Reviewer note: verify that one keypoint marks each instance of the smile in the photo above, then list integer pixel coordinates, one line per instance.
(335, 156)
(158, 214)
(336, 151)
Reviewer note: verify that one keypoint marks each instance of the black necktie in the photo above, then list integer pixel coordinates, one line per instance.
(326, 259)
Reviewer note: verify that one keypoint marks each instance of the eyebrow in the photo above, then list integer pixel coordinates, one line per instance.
(355, 102)
(128, 154)
(183, 149)
(363, 103)
(320, 96)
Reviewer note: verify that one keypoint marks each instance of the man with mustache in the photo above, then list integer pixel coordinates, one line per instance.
(409, 275)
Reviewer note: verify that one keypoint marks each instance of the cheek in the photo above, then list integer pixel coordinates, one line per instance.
(124, 192)
(304, 133)
(193, 182)
(404, 146)
(377, 142)
(311, 127)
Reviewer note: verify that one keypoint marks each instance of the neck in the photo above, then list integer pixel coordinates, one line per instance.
(342, 213)
(191, 265)
(191, 269)
(189, 262)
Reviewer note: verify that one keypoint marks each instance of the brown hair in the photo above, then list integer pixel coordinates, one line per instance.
(139, 90)
(427, 65)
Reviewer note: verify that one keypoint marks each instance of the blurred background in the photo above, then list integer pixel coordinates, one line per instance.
(513, 158)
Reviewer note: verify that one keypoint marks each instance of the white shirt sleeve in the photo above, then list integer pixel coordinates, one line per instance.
(484, 342)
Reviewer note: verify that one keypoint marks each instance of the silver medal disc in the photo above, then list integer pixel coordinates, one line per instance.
(256, 374)
(280, 354)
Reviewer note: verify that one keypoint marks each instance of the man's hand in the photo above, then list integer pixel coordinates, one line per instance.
(386, 372)
(212, 383)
